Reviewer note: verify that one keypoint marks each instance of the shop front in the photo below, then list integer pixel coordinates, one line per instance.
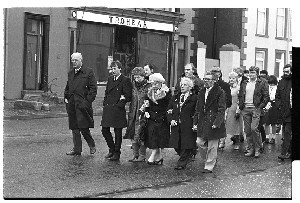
(134, 41)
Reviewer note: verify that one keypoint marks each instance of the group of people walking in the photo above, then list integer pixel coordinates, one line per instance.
(198, 116)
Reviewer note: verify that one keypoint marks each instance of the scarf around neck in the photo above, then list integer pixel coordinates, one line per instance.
(157, 93)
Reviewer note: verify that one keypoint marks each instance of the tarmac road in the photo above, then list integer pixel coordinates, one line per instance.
(35, 166)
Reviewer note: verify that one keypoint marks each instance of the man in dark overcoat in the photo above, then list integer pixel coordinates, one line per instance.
(209, 119)
(117, 93)
(80, 92)
(216, 71)
(283, 102)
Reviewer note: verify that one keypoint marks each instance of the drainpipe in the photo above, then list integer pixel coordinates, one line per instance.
(214, 47)
(288, 36)
(5, 49)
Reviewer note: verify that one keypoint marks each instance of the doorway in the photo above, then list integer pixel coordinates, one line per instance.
(36, 38)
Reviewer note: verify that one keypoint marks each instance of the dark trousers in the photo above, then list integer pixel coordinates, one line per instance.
(262, 129)
(287, 138)
(77, 139)
(185, 154)
(114, 146)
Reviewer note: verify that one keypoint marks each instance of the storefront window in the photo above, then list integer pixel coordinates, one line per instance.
(154, 49)
(94, 41)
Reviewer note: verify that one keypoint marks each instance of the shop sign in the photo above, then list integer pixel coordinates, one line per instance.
(117, 20)
(128, 22)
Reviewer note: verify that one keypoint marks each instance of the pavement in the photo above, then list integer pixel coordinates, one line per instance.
(35, 166)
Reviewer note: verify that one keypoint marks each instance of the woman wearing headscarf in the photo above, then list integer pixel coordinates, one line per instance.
(234, 122)
(180, 114)
(139, 94)
(157, 128)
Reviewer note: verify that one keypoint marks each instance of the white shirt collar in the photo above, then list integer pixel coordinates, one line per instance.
(117, 76)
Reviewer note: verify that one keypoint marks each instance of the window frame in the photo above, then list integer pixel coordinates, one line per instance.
(266, 23)
(284, 26)
(284, 61)
(265, 63)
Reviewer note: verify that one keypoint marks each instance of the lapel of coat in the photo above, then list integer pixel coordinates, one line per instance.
(74, 84)
(112, 84)
(185, 102)
(257, 84)
(211, 97)
(201, 99)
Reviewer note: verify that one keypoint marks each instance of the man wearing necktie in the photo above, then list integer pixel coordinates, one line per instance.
(209, 119)
(80, 92)
(117, 93)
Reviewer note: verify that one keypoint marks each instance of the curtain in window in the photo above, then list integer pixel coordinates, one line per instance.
(260, 59)
(280, 22)
(279, 63)
(261, 21)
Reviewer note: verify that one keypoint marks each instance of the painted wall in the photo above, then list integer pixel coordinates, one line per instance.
(262, 42)
(58, 64)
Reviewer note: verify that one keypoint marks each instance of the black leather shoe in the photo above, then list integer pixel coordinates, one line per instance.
(115, 157)
(72, 153)
(109, 155)
(206, 171)
(92, 150)
(179, 167)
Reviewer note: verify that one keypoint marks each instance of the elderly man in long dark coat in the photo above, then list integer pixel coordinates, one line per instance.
(117, 93)
(209, 119)
(80, 92)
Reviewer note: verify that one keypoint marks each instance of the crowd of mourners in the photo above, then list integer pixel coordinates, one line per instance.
(195, 117)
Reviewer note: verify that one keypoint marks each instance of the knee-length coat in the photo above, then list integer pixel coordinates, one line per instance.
(157, 128)
(183, 115)
(114, 113)
(139, 94)
(80, 91)
(209, 113)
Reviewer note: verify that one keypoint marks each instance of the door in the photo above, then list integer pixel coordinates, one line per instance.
(31, 63)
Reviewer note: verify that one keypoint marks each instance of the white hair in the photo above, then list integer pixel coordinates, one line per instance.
(156, 77)
(187, 81)
(77, 56)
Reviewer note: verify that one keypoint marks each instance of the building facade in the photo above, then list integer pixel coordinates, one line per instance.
(263, 36)
(39, 42)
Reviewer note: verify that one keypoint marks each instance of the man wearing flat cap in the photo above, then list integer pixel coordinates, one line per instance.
(80, 92)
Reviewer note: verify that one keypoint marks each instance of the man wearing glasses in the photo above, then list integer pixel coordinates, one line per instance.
(209, 119)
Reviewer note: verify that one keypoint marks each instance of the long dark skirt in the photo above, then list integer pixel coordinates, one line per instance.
(157, 134)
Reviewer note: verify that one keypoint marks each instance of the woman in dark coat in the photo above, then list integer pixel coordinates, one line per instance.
(272, 116)
(139, 94)
(180, 114)
(157, 128)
